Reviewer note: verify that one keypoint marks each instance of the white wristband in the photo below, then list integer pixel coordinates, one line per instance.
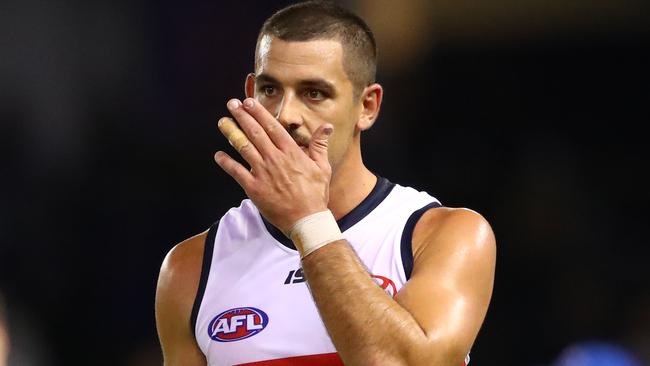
(315, 231)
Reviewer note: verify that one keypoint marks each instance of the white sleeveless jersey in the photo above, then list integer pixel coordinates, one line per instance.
(253, 306)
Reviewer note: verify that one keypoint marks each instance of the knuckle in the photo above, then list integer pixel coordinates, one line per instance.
(274, 159)
(245, 148)
(253, 190)
(271, 127)
(256, 132)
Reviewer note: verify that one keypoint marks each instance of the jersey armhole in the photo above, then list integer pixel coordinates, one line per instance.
(406, 244)
(208, 249)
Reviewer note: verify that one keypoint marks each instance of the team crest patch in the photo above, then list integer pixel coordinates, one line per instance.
(386, 284)
(237, 324)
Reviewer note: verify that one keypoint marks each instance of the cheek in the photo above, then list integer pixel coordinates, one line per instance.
(270, 104)
(343, 118)
(339, 144)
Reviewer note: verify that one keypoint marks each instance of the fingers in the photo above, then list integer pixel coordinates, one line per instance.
(274, 130)
(239, 173)
(237, 138)
(254, 129)
(318, 145)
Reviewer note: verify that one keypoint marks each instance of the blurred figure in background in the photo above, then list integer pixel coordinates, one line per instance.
(4, 335)
(596, 353)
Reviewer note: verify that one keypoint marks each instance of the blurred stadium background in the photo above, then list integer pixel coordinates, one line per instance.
(528, 111)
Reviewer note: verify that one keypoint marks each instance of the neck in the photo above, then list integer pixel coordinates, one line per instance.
(351, 183)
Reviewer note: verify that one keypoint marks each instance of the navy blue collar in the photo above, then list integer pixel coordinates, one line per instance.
(376, 196)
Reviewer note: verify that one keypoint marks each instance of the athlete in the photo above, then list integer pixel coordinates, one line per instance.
(325, 263)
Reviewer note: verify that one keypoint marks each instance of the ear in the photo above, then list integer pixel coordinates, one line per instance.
(249, 85)
(371, 102)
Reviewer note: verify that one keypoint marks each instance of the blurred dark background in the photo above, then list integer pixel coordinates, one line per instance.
(529, 112)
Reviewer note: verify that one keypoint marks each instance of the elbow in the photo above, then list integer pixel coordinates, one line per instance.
(430, 357)
(425, 355)
(411, 351)
(435, 353)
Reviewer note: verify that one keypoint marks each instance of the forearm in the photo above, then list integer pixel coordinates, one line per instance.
(447, 294)
(366, 325)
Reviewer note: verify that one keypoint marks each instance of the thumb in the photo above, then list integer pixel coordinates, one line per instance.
(318, 145)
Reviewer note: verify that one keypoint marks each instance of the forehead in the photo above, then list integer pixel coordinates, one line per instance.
(297, 60)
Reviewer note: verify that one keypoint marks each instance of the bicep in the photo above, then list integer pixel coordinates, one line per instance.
(176, 339)
(175, 293)
(451, 284)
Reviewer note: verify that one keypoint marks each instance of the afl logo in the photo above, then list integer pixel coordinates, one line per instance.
(237, 324)
(386, 284)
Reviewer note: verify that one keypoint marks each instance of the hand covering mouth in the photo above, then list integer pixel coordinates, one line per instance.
(300, 139)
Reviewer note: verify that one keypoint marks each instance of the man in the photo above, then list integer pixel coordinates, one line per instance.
(325, 263)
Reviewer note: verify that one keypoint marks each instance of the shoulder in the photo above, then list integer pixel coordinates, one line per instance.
(179, 280)
(176, 291)
(456, 229)
(177, 287)
(454, 257)
(182, 264)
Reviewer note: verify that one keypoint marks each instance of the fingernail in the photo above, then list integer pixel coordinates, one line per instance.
(328, 131)
(249, 103)
(233, 104)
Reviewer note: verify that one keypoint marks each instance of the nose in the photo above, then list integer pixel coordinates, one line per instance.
(288, 113)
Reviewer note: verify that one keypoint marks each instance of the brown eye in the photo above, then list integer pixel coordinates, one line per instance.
(315, 94)
(268, 91)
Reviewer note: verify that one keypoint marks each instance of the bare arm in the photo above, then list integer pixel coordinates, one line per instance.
(434, 319)
(177, 286)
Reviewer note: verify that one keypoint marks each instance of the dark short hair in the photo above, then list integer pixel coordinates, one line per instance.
(314, 20)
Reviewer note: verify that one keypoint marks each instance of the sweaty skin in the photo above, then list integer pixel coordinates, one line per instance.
(433, 320)
(301, 89)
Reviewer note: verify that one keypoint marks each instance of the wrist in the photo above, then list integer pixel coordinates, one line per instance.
(314, 231)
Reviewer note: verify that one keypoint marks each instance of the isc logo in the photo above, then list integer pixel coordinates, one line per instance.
(386, 284)
(237, 324)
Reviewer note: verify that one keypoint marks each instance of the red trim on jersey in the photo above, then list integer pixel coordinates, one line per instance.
(323, 359)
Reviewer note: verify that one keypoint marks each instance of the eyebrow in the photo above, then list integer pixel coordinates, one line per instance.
(321, 84)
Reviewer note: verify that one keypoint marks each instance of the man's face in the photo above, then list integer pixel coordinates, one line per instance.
(304, 84)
